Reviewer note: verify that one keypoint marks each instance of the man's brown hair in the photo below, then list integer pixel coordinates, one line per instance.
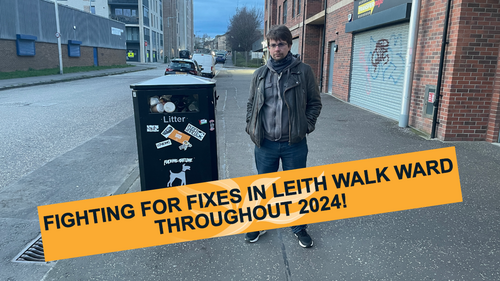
(279, 32)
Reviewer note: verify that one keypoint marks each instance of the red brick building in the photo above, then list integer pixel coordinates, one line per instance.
(359, 49)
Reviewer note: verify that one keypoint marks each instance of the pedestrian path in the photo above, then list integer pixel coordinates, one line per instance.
(49, 79)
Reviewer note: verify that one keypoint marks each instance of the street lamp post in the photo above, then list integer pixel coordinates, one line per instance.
(58, 35)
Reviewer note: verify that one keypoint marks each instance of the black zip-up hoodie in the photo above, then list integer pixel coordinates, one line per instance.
(274, 115)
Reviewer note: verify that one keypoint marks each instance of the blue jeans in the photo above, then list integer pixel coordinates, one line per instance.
(269, 154)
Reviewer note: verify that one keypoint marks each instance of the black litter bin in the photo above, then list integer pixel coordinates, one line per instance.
(176, 130)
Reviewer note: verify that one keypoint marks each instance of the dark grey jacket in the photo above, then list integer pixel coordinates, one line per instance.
(301, 97)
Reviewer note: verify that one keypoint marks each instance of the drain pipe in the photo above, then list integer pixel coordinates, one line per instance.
(410, 63)
(322, 49)
(303, 26)
(440, 71)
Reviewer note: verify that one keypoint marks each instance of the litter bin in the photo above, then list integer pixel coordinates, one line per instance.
(176, 130)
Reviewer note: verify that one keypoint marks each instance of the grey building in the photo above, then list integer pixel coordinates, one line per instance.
(28, 37)
(178, 26)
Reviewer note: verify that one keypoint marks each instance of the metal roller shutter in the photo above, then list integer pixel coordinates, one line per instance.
(377, 70)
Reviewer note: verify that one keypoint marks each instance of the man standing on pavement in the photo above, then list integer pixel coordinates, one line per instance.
(283, 106)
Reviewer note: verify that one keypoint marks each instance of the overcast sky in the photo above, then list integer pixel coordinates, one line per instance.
(212, 16)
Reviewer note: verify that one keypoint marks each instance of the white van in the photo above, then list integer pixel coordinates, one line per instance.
(207, 63)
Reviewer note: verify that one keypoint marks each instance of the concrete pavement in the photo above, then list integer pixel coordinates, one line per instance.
(449, 242)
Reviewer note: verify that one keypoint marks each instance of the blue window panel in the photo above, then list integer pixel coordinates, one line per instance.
(74, 48)
(25, 45)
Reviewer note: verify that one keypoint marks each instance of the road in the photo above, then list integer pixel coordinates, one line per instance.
(41, 123)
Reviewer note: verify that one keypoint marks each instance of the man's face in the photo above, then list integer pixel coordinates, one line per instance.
(278, 49)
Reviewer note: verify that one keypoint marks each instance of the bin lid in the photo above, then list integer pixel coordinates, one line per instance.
(173, 80)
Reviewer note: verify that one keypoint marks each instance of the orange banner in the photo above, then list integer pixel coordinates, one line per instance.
(259, 202)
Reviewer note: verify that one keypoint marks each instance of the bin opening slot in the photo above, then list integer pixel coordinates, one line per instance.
(174, 104)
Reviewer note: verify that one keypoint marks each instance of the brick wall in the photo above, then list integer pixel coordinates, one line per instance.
(47, 56)
(335, 22)
(470, 102)
(469, 74)
(312, 48)
(427, 55)
(312, 51)
(313, 7)
(107, 57)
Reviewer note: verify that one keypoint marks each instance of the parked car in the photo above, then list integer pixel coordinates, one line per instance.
(206, 62)
(183, 66)
(220, 58)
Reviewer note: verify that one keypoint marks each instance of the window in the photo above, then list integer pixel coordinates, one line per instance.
(145, 16)
(134, 13)
(74, 48)
(118, 12)
(127, 12)
(298, 7)
(92, 10)
(279, 14)
(293, 8)
(146, 35)
(285, 11)
(25, 45)
(132, 34)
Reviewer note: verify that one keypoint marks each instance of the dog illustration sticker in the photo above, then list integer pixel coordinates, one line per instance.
(180, 175)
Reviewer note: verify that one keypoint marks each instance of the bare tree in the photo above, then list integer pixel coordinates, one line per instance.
(243, 29)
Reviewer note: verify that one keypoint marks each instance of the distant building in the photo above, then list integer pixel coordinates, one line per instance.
(178, 27)
(144, 27)
(143, 20)
(96, 7)
(220, 42)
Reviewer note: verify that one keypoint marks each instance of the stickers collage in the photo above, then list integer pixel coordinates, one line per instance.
(173, 104)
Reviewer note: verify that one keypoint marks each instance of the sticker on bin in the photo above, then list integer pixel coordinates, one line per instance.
(152, 128)
(195, 132)
(212, 125)
(185, 145)
(171, 133)
(203, 122)
(163, 144)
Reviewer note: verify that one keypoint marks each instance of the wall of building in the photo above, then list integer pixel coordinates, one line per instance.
(100, 6)
(470, 105)
(37, 18)
(337, 17)
(47, 56)
(468, 110)
(170, 30)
